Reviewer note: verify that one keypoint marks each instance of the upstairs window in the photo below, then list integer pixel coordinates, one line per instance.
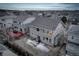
(20, 29)
(47, 39)
(14, 21)
(37, 29)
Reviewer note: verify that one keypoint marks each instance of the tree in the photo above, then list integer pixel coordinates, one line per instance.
(64, 19)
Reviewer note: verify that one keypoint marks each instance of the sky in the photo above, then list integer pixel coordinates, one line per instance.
(40, 6)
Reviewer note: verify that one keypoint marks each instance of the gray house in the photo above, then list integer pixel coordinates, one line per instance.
(72, 46)
(47, 30)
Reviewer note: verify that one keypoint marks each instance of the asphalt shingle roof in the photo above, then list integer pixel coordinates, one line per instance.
(74, 30)
(46, 22)
(2, 48)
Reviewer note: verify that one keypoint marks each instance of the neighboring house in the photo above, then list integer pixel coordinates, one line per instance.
(72, 47)
(21, 22)
(13, 22)
(17, 23)
(47, 30)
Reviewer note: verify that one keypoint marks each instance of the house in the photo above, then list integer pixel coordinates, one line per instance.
(21, 22)
(19, 26)
(12, 23)
(15, 22)
(72, 47)
(47, 30)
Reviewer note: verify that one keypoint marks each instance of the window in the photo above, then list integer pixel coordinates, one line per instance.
(37, 29)
(24, 29)
(47, 39)
(19, 22)
(72, 37)
(43, 30)
(43, 38)
(47, 32)
(3, 19)
(16, 27)
(20, 29)
(14, 21)
(38, 37)
(4, 25)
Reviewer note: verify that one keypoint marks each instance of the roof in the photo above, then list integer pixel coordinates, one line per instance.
(72, 49)
(74, 30)
(46, 22)
(15, 34)
(8, 17)
(22, 18)
(29, 20)
(2, 48)
(74, 16)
